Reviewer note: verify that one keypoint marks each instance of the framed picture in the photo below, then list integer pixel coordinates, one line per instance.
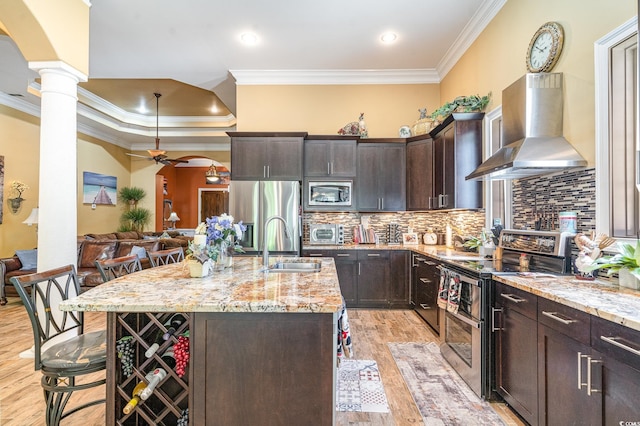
(99, 189)
(410, 239)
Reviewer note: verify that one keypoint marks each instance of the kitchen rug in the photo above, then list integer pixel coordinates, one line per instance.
(442, 397)
(359, 387)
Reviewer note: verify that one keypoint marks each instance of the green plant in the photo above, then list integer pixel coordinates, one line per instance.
(131, 194)
(462, 104)
(137, 217)
(628, 258)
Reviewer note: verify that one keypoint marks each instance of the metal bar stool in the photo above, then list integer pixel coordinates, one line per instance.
(165, 257)
(62, 351)
(119, 266)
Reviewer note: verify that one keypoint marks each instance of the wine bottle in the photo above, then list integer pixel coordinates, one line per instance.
(173, 324)
(156, 377)
(135, 398)
(169, 358)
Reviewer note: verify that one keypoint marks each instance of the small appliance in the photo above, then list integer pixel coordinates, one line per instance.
(326, 234)
(336, 193)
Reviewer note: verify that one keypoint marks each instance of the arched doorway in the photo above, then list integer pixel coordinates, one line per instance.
(184, 189)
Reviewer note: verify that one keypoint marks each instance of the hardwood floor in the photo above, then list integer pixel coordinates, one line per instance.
(22, 404)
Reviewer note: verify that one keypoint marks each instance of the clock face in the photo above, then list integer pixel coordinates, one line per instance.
(545, 47)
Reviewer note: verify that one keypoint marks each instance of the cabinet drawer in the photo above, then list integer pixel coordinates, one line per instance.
(616, 341)
(519, 300)
(373, 254)
(563, 319)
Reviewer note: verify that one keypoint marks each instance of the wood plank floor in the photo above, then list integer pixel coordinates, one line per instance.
(22, 404)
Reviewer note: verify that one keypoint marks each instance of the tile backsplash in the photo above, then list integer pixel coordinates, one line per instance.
(463, 222)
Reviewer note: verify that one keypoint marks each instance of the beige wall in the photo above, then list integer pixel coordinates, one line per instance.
(497, 58)
(323, 110)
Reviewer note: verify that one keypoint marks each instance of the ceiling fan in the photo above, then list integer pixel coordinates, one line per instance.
(158, 155)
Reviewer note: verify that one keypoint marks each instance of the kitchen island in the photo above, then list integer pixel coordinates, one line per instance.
(262, 345)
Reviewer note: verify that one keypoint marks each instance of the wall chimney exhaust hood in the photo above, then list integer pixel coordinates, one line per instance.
(532, 140)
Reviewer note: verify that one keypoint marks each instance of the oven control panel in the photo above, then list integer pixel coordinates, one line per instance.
(543, 242)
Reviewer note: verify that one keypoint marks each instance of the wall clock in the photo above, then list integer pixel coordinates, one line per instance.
(545, 47)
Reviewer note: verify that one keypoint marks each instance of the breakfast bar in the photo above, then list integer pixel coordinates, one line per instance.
(262, 343)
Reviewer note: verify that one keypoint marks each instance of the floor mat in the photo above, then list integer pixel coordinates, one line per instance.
(359, 387)
(442, 397)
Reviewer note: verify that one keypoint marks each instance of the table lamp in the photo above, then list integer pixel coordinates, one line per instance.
(173, 218)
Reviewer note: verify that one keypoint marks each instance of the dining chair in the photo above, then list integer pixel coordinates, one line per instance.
(118, 266)
(63, 352)
(165, 257)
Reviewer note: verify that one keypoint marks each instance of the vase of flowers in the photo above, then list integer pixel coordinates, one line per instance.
(215, 240)
(626, 263)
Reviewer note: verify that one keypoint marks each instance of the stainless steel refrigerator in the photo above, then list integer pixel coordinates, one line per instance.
(254, 202)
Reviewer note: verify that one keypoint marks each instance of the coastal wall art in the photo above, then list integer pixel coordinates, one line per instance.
(99, 189)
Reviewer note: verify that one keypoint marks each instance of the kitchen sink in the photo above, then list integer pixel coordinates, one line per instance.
(295, 267)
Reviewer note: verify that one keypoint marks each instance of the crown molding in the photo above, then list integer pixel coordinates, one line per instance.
(487, 11)
(334, 77)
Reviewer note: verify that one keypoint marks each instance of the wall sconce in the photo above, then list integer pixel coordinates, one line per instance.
(173, 218)
(212, 175)
(32, 219)
(16, 202)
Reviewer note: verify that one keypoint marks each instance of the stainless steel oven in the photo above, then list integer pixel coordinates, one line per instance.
(464, 329)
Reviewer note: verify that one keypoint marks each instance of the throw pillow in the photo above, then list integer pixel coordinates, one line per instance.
(28, 258)
(140, 251)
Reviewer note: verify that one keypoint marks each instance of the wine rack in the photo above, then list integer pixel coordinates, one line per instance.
(170, 398)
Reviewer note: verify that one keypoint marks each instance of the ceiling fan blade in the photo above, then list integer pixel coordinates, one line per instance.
(141, 156)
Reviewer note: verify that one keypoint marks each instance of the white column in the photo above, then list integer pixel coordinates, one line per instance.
(58, 214)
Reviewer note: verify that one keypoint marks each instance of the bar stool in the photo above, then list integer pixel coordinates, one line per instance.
(165, 257)
(119, 266)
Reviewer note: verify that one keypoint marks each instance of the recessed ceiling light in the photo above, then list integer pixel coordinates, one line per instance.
(249, 38)
(388, 37)
(214, 109)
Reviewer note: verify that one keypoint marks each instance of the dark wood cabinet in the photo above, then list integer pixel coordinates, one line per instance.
(564, 361)
(420, 173)
(373, 278)
(516, 350)
(329, 157)
(381, 179)
(457, 151)
(266, 156)
(426, 279)
(399, 282)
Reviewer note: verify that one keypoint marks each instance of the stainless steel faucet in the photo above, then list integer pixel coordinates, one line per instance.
(265, 250)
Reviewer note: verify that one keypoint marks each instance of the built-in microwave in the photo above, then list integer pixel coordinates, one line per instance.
(335, 193)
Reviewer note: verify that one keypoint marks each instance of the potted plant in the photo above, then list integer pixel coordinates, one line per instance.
(472, 103)
(626, 263)
(131, 195)
(136, 218)
(18, 188)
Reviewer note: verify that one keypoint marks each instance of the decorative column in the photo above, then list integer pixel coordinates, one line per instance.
(58, 199)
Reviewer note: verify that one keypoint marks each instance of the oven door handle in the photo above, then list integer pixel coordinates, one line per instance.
(465, 320)
(464, 278)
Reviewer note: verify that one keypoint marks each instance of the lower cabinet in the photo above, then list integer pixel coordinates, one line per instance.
(556, 365)
(565, 364)
(426, 279)
(516, 350)
(371, 278)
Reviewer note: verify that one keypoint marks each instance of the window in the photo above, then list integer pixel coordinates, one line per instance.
(617, 153)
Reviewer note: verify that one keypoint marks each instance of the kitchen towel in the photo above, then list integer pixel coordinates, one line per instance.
(345, 347)
(453, 302)
(443, 289)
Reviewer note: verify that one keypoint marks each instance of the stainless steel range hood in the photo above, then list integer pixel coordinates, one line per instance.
(532, 140)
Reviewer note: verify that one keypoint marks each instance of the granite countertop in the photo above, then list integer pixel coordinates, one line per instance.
(241, 288)
(599, 298)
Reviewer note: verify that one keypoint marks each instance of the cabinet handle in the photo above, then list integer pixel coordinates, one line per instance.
(331, 169)
(423, 306)
(359, 268)
(430, 263)
(373, 254)
(554, 315)
(580, 356)
(425, 280)
(590, 363)
(315, 254)
(343, 255)
(493, 319)
(268, 171)
(328, 168)
(613, 341)
(512, 298)
(381, 203)
(415, 260)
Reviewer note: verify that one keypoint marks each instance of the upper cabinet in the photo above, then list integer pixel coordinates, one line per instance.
(330, 156)
(266, 156)
(420, 173)
(381, 179)
(457, 151)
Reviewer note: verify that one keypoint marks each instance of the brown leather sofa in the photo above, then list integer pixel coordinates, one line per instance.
(92, 247)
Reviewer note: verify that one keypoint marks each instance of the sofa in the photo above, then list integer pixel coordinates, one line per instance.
(92, 247)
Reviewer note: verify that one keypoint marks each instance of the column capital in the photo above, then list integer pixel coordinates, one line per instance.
(58, 66)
